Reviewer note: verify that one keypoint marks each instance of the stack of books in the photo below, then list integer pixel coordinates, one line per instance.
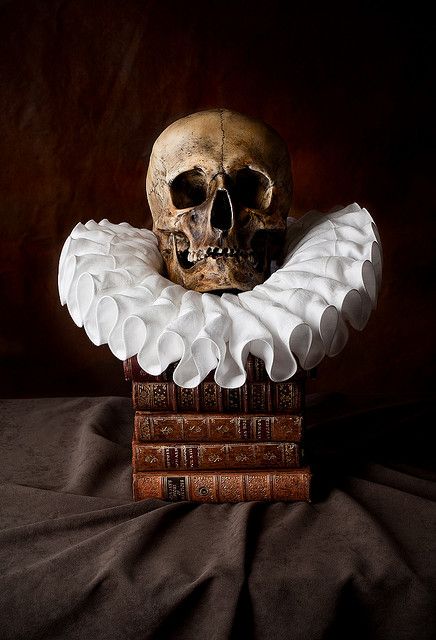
(210, 444)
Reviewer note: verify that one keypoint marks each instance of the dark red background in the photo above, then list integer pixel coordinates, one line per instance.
(88, 86)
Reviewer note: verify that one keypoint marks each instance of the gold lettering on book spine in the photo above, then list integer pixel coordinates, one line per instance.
(263, 427)
(244, 427)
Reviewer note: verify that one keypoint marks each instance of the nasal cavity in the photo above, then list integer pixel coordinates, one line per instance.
(222, 213)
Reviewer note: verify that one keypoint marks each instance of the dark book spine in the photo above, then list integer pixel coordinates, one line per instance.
(231, 486)
(252, 397)
(287, 397)
(258, 397)
(255, 368)
(161, 456)
(210, 397)
(127, 368)
(153, 427)
(186, 400)
(133, 371)
(155, 396)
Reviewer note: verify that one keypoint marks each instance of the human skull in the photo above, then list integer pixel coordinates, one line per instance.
(219, 186)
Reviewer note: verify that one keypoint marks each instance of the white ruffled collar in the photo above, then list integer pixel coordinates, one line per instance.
(109, 277)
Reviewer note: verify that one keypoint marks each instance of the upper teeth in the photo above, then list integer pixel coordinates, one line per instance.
(214, 252)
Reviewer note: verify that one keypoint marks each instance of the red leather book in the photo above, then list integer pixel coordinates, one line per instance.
(225, 486)
(197, 427)
(252, 397)
(241, 455)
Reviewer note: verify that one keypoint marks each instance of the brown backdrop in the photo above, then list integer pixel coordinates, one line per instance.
(87, 87)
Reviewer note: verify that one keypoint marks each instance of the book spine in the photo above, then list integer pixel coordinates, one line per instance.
(255, 368)
(152, 427)
(288, 396)
(156, 396)
(252, 397)
(127, 368)
(133, 372)
(158, 457)
(231, 486)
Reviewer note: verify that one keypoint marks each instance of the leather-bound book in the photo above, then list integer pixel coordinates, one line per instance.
(255, 368)
(209, 397)
(224, 486)
(197, 427)
(241, 455)
(213, 444)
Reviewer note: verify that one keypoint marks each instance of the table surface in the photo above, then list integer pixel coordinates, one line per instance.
(79, 559)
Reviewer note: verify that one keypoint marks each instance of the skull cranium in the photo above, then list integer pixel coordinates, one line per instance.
(219, 186)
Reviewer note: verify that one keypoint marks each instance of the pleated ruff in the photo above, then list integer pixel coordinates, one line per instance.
(110, 279)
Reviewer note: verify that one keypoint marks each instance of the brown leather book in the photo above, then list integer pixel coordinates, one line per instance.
(154, 427)
(225, 486)
(241, 455)
(252, 397)
(254, 366)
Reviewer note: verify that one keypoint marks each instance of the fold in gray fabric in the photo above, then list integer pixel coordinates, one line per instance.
(79, 559)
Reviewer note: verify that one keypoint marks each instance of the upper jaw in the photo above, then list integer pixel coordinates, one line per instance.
(189, 257)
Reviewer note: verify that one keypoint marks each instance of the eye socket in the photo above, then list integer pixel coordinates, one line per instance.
(188, 189)
(252, 189)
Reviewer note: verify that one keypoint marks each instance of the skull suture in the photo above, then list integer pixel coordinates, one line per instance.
(219, 187)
